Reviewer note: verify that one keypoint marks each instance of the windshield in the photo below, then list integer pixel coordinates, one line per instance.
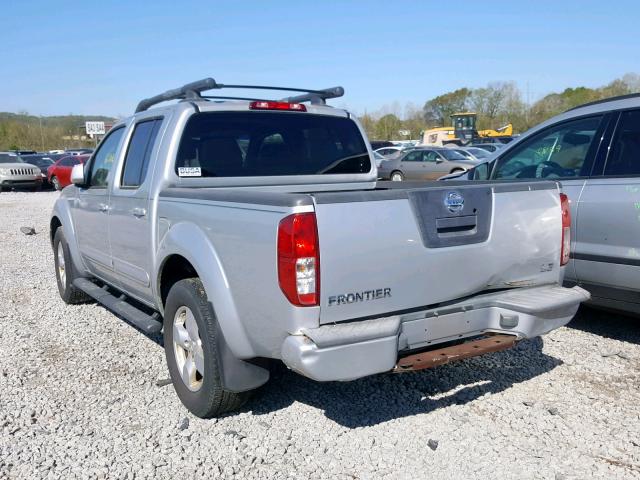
(5, 158)
(452, 155)
(243, 144)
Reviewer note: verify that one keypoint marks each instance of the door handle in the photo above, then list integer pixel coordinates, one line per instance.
(103, 207)
(138, 212)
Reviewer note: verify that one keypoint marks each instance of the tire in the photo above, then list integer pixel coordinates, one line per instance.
(200, 391)
(396, 176)
(56, 183)
(65, 272)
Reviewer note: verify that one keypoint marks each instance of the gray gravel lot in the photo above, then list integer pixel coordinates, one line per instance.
(82, 395)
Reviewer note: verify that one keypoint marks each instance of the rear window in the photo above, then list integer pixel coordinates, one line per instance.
(243, 144)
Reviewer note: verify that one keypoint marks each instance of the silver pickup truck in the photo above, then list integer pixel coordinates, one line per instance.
(251, 229)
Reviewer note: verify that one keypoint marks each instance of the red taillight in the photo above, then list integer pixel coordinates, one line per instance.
(566, 229)
(264, 105)
(299, 259)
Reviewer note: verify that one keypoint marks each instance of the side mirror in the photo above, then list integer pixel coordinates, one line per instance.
(439, 160)
(77, 175)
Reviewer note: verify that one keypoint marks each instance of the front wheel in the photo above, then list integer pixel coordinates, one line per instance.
(56, 183)
(397, 176)
(190, 345)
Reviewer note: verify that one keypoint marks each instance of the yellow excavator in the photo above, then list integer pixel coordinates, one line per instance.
(462, 131)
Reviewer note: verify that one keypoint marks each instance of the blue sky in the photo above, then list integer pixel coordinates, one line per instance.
(83, 57)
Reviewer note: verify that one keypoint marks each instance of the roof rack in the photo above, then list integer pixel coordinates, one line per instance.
(605, 100)
(193, 91)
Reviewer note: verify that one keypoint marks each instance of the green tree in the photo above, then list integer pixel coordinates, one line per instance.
(439, 109)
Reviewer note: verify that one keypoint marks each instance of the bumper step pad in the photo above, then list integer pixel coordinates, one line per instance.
(442, 356)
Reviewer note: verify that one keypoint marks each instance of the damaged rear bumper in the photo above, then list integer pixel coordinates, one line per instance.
(357, 349)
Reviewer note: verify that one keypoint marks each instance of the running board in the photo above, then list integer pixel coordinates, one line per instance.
(118, 305)
(441, 356)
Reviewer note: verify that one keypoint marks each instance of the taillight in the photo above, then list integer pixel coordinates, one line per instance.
(265, 105)
(566, 229)
(299, 259)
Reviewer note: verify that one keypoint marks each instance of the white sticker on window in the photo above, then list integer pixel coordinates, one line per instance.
(189, 171)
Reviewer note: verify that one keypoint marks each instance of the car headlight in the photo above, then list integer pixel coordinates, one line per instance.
(4, 171)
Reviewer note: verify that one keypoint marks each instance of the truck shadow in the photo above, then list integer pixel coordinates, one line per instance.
(609, 324)
(385, 397)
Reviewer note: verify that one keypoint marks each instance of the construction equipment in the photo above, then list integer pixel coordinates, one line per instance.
(462, 131)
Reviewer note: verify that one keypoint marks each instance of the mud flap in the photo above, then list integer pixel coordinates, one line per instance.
(237, 375)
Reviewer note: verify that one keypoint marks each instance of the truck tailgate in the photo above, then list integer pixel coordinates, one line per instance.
(390, 250)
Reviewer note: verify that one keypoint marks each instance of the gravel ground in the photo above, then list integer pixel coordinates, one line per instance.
(83, 395)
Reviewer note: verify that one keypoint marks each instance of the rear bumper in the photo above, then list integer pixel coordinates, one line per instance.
(358, 349)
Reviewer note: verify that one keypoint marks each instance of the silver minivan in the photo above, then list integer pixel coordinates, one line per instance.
(594, 151)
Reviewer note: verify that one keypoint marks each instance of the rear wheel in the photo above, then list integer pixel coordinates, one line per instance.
(190, 345)
(65, 273)
(397, 176)
(56, 183)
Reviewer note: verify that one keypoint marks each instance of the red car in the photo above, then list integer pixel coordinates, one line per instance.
(59, 174)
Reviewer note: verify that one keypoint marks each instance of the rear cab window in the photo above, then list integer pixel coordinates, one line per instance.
(246, 144)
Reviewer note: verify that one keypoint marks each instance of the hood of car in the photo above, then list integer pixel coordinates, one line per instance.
(18, 165)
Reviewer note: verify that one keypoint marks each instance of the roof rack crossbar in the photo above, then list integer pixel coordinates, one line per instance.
(193, 91)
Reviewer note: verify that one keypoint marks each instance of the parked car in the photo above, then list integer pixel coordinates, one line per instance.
(391, 151)
(16, 173)
(43, 162)
(79, 151)
(478, 153)
(473, 154)
(489, 147)
(594, 150)
(167, 213)
(59, 174)
(378, 159)
(378, 144)
(424, 164)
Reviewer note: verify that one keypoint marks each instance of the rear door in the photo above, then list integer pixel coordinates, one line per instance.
(608, 256)
(91, 210)
(129, 217)
(564, 152)
(436, 165)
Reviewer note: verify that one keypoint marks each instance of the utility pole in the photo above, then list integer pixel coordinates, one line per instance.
(41, 134)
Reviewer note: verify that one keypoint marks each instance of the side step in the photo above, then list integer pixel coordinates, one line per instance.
(144, 322)
(440, 356)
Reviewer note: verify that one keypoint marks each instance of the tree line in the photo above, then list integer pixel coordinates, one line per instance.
(21, 131)
(497, 104)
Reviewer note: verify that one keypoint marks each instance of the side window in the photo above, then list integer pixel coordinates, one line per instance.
(103, 159)
(562, 151)
(624, 158)
(136, 161)
(430, 156)
(67, 162)
(413, 157)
